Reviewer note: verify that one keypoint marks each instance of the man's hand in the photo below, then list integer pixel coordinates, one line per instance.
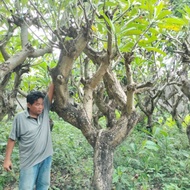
(7, 165)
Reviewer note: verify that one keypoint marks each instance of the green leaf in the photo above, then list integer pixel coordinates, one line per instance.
(67, 38)
(131, 31)
(173, 21)
(163, 14)
(24, 2)
(109, 22)
(174, 24)
(187, 9)
(133, 146)
(156, 50)
(110, 4)
(154, 31)
(184, 153)
(158, 9)
(126, 47)
(115, 178)
(4, 11)
(151, 145)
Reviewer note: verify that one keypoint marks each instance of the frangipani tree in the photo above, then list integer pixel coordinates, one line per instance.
(98, 47)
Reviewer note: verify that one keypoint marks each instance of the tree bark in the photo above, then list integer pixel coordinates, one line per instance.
(103, 163)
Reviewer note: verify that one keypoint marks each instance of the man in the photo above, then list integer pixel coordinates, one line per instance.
(31, 128)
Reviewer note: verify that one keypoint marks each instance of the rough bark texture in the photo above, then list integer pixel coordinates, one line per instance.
(103, 162)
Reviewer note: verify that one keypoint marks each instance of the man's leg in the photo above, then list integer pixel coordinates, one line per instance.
(27, 178)
(43, 179)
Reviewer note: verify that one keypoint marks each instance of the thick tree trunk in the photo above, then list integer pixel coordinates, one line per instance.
(103, 165)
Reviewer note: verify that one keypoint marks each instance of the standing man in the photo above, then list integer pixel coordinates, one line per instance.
(31, 128)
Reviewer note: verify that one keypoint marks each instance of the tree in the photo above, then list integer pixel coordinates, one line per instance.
(99, 45)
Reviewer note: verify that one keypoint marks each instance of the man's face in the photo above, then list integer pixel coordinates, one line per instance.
(36, 108)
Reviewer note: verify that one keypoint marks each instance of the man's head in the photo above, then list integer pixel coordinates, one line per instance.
(33, 96)
(35, 103)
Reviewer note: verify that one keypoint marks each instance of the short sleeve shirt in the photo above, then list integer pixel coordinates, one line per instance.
(33, 135)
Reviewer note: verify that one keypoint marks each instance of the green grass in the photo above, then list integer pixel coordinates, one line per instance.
(142, 162)
(73, 158)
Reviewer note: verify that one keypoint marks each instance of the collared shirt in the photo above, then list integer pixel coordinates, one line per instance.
(33, 135)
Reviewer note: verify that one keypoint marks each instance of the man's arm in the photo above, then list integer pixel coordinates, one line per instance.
(7, 165)
(50, 92)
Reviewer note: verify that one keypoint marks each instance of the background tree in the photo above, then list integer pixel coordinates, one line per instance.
(101, 52)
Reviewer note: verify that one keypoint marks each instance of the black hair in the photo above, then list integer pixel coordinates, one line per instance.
(33, 96)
